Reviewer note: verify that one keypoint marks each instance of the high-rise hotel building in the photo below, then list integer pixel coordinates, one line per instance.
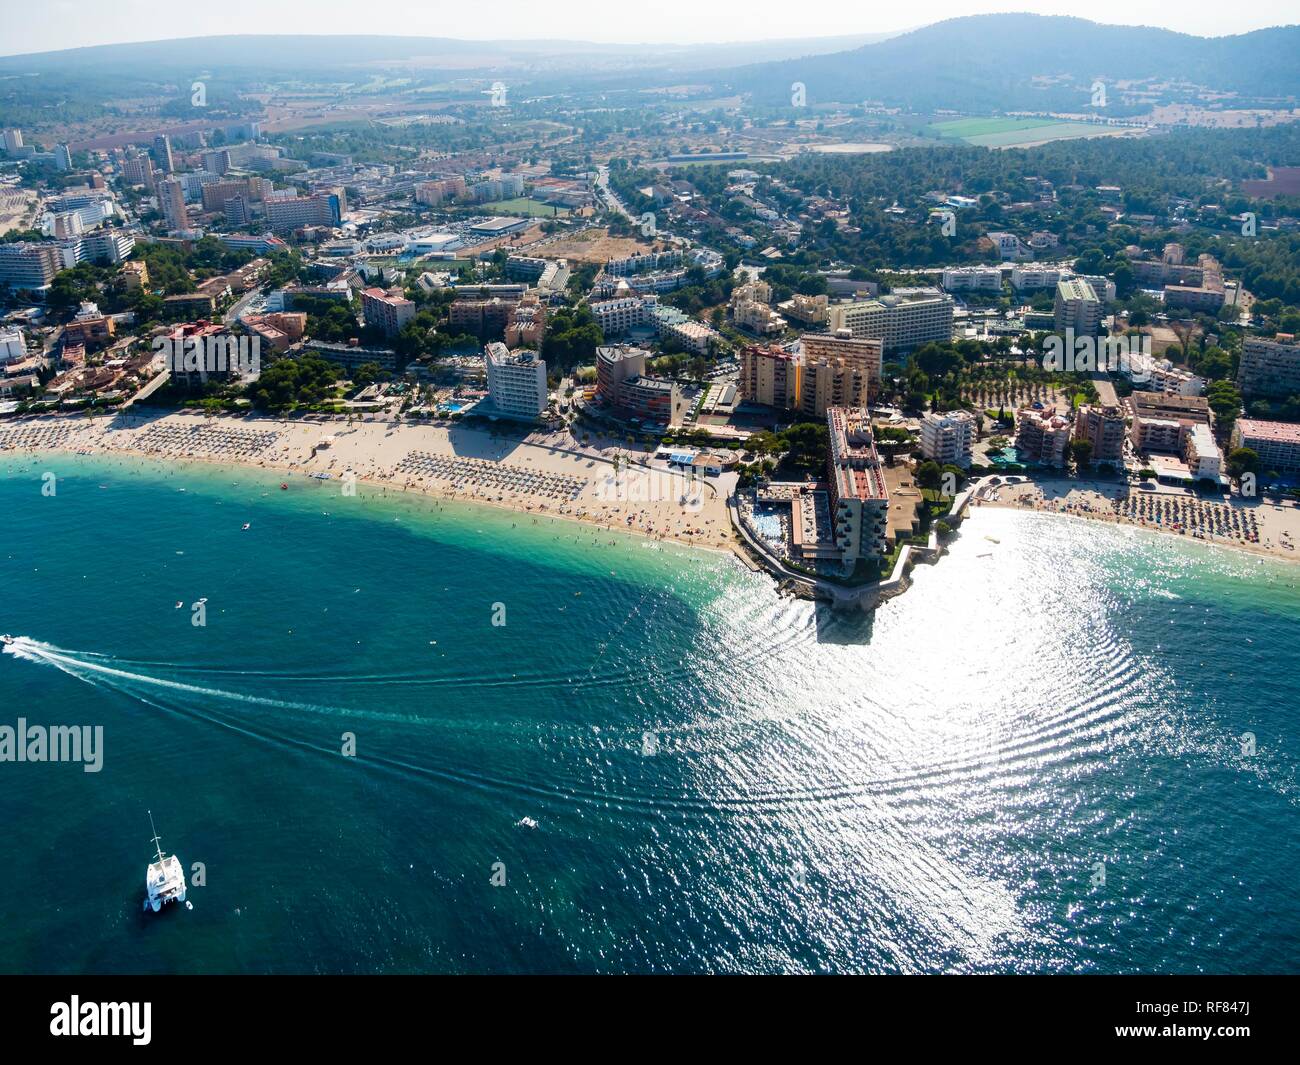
(171, 200)
(859, 499)
(516, 381)
(900, 323)
(1270, 366)
(827, 371)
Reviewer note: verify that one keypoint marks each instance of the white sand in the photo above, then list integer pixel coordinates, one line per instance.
(1277, 527)
(653, 502)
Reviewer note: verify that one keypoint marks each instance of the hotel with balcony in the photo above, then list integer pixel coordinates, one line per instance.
(858, 496)
(1276, 443)
(948, 438)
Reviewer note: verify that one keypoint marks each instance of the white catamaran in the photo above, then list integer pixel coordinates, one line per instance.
(164, 879)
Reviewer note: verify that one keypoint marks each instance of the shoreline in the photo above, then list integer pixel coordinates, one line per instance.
(371, 451)
(1072, 499)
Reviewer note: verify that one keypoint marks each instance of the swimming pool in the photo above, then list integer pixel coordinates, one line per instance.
(767, 523)
(1008, 456)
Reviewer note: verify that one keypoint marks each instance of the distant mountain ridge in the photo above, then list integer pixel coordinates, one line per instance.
(277, 52)
(1010, 62)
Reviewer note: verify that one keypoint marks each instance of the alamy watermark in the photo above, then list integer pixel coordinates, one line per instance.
(219, 354)
(651, 486)
(53, 743)
(1130, 356)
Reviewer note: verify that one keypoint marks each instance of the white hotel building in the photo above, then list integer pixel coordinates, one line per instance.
(13, 348)
(617, 316)
(900, 324)
(948, 438)
(972, 279)
(1032, 276)
(516, 382)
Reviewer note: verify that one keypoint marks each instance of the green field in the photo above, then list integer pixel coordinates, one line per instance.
(525, 206)
(1009, 132)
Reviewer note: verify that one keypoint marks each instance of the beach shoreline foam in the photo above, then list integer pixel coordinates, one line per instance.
(1277, 526)
(536, 476)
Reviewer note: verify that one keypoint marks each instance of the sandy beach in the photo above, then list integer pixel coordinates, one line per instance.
(544, 474)
(1259, 526)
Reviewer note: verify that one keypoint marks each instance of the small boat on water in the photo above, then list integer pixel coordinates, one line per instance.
(164, 880)
(247, 525)
(6, 639)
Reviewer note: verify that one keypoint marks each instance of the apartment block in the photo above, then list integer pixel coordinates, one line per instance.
(769, 376)
(859, 499)
(1077, 307)
(617, 316)
(949, 438)
(972, 279)
(1029, 276)
(516, 382)
(899, 323)
(527, 325)
(622, 386)
(809, 310)
(1105, 428)
(386, 311)
(1276, 443)
(162, 153)
(171, 201)
(483, 318)
(285, 214)
(1162, 421)
(1043, 436)
(1207, 295)
(28, 265)
(1202, 454)
(838, 371)
(138, 170)
(1270, 366)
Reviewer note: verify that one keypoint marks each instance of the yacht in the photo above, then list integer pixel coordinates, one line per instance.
(164, 879)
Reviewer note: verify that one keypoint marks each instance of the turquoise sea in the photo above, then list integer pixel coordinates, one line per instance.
(1030, 762)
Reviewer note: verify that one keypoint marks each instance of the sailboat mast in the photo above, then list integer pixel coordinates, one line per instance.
(156, 840)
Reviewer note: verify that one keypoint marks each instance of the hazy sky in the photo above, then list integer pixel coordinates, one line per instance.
(29, 26)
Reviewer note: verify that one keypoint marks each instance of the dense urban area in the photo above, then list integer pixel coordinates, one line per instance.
(845, 314)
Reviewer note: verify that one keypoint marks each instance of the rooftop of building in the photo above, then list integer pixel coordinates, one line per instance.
(1281, 338)
(1161, 401)
(613, 353)
(650, 384)
(948, 417)
(1274, 432)
(499, 355)
(1047, 417)
(854, 462)
(1076, 288)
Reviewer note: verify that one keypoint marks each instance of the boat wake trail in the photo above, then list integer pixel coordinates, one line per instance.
(94, 669)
